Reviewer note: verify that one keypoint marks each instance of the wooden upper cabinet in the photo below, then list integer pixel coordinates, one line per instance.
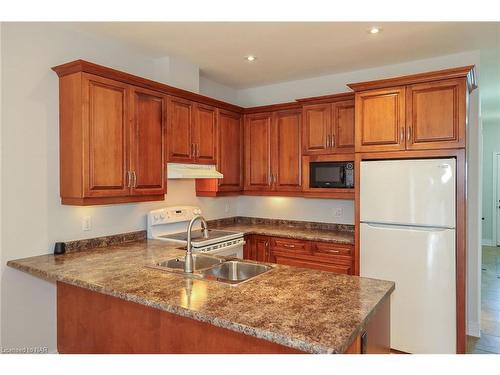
(328, 128)
(204, 134)
(258, 152)
(317, 127)
(343, 126)
(180, 137)
(435, 114)
(230, 145)
(192, 131)
(147, 157)
(424, 111)
(380, 120)
(111, 141)
(105, 113)
(287, 155)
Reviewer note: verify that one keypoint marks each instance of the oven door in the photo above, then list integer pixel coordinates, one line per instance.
(327, 175)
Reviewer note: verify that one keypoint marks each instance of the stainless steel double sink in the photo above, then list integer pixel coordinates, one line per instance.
(230, 271)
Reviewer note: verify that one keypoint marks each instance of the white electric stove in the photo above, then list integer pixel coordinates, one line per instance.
(170, 224)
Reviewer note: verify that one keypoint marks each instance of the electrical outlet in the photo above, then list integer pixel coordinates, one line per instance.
(86, 223)
(226, 208)
(338, 212)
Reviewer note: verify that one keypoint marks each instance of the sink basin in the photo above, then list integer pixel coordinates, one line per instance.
(234, 271)
(200, 262)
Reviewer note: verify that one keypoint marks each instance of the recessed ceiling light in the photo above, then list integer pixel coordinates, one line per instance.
(250, 58)
(374, 30)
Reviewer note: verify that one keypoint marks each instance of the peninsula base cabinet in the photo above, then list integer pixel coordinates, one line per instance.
(324, 256)
(89, 322)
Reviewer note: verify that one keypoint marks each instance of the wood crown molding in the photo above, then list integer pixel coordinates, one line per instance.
(327, 98)
(103, 71)
(468, 72)
(80, 65)
(273, 107)
(298, 103)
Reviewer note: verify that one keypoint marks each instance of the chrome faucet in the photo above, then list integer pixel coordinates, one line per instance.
(188, 260)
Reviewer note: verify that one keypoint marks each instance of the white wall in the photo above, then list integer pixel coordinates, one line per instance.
(336, 83)
(32, 218)
(218, 91)
(322, 210)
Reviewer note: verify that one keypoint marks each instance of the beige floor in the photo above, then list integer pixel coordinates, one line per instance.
(489, 342)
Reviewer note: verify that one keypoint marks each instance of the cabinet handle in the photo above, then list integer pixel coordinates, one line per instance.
(129, 179)
(328, 141)
(135, 179)
(409, 133)
(193, 153)
(402, 135)
(332, 251)
(289, 246)
(270, 179)
(332, 140)
(198, 150)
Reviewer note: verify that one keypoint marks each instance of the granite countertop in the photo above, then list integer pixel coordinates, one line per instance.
(309, 310)
(343, 234)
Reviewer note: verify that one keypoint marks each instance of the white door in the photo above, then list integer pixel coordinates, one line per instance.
(497, 204)
(421, 261)
(413, 192)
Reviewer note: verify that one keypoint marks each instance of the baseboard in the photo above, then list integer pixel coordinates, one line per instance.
(473, 329)
(488, 242)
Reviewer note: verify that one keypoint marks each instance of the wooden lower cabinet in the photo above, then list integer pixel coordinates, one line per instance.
(89, 322)
(324, 256)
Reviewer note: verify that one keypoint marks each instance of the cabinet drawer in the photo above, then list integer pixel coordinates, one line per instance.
(303, 263)
(328, 248)
(290, 244)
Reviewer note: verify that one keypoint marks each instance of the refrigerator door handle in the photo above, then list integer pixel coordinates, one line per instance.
(407, 227)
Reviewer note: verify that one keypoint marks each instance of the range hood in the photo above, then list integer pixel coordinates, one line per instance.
(178, 170)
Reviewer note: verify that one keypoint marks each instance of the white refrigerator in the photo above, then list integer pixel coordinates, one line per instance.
(407, 235)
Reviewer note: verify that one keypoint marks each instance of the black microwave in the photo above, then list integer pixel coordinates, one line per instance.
(331, 174)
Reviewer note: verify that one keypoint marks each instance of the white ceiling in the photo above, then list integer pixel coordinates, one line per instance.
(295, 50)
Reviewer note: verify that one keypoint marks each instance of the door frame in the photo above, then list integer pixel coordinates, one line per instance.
(495, 196)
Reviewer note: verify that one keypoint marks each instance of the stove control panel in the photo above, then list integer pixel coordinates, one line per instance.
(174, 214)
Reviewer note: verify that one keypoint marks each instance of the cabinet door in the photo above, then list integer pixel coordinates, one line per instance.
(179, 133)
(230, 151)
(435, 114)
(204, 134)
(316, 129)
(147, 142)
(261, 248)
(286, 151)
(343, 126)
(248, 248)
(380, 120)
(106, 137)
(258, 152)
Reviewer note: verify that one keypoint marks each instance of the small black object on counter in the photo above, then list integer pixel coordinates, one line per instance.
(59, 248)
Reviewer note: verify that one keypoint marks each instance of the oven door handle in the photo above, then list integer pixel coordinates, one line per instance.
(342, 175)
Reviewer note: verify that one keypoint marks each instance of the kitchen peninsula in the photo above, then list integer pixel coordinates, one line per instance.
(110, 302)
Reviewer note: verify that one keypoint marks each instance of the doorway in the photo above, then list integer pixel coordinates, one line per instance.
(489, 342)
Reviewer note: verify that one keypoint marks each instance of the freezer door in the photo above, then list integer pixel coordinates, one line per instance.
(422, 264)
(413, 192)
